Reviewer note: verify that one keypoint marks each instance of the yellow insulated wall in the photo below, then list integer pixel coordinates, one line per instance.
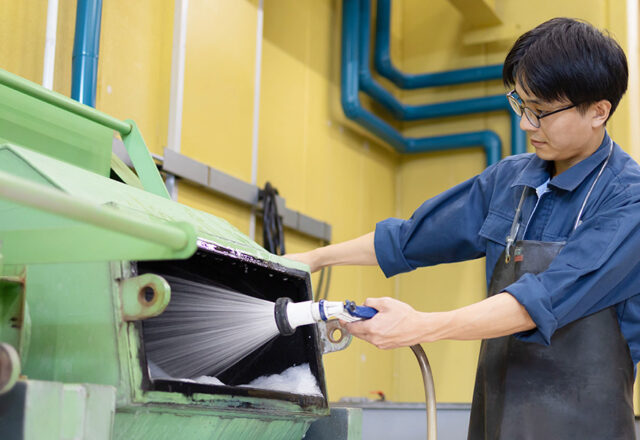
(322, 164)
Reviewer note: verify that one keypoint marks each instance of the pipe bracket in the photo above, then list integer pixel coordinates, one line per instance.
(333, 337)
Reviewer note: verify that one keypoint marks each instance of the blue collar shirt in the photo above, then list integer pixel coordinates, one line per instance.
(598, 267)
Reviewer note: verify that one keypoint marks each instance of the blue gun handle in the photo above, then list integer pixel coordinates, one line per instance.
(364, 312)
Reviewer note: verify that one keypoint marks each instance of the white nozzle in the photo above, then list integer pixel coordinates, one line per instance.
(290, 315)
(302, 313)
(309, 312)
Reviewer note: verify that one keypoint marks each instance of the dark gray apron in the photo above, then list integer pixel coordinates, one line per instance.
(579, 387)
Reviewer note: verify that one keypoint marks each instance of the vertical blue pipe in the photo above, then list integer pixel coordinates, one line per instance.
(86, 45)
(518, 136)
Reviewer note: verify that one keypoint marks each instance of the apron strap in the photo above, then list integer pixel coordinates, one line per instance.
(584, 203)
(515, 226)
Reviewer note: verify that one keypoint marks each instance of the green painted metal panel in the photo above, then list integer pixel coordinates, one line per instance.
(143, 162)
(53, 124)
(31, 89)
(29, 235)
(141, 204)
(78, 330)
(57, 411)
(39, 126)
(73, 324)
(168, 423)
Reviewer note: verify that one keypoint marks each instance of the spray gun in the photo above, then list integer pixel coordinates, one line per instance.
(290, 315)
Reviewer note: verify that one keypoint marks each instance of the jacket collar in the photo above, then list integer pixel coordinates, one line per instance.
(537, 170)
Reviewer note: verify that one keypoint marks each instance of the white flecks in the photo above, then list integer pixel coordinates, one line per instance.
(209, 380)
(297, 380)
(363, 358)
(109, 89)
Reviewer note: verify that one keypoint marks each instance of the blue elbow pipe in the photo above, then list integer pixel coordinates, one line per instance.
(410, 112)
(489, 140)
(428, 111)
(86, 45)
(385, 67)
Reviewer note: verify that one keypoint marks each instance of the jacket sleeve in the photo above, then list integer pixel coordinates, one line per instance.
(443, 229)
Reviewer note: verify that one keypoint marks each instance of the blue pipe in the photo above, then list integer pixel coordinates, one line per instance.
(489, 140)
(405, 112)
(518, 136)
(428, 111)
(86, 45)
(385, 67)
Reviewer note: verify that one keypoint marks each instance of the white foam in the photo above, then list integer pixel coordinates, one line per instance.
(209, 380)
(297, 380)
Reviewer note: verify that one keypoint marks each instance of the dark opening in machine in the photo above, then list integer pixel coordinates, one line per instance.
(220, 266)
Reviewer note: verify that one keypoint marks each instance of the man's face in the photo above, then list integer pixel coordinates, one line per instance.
(566, 137)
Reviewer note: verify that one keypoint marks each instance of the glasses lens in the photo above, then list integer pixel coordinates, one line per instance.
(532, 117)
(515, 105)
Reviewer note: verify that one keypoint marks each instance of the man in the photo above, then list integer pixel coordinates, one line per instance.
(560, 230)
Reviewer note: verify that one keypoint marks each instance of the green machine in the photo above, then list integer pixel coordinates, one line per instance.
(84, 245)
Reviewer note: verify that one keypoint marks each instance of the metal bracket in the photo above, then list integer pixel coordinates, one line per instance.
(144, 296)
(333, 337)
(240, 191)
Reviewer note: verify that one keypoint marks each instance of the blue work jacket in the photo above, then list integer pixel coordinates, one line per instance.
(598, 267)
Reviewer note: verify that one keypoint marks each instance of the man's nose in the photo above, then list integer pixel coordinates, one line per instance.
(526, 125)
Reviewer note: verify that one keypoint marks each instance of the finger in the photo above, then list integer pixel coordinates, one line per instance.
(356, 329)
(376, 303)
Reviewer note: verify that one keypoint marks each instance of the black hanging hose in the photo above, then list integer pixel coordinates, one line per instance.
(273, 231)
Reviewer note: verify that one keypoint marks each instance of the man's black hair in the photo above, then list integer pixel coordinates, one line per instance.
(566, 58)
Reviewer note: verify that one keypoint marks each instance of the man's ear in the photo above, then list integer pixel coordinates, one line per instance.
(601, 110)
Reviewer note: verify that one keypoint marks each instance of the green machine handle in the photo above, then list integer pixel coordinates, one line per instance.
(175, 239)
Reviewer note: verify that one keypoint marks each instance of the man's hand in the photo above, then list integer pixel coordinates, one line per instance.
(396, 324)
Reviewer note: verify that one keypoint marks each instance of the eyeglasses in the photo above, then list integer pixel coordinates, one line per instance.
(532, 117)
